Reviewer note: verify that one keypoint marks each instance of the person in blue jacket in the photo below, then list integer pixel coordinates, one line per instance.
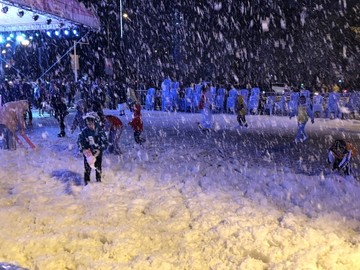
(92, 141)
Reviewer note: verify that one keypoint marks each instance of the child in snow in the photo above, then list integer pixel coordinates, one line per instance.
(340, 154)
(137, 123)
(79, 120)
(92, 141)
(304, 112)
(114, 126)
(240, 109)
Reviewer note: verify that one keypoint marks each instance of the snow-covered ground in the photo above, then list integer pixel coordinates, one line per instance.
(233, 198)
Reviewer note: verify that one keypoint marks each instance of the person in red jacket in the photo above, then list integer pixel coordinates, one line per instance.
(137, 124)
(114, 126)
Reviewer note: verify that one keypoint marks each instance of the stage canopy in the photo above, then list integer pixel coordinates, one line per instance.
(25, 15)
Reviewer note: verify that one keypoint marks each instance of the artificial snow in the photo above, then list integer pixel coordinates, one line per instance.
(232, 198)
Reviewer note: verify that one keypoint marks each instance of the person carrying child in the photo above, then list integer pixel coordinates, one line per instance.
(114, 126)
(340, 154)
(92, 141)
(304, 112)
(137, 124)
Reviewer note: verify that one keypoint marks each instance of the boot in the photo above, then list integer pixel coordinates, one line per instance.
(61, 134)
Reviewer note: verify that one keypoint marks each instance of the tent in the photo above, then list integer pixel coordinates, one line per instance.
(23, 15)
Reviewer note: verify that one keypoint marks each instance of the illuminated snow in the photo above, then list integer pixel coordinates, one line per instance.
(178, 202)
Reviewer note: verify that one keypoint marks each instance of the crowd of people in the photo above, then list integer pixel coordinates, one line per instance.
(99, 132)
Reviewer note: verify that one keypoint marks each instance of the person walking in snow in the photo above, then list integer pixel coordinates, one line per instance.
(137, 124)
(240, 109)
(205, 105)
(114, 126)
(60, 110)
(92, 141)
(304, 112)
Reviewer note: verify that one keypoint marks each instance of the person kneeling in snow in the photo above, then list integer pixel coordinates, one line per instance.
(114, 126)
(92, 141)
(137, 124)
(340, 154)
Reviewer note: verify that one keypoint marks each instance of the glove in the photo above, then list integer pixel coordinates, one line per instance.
(90, 158)
(97, 152)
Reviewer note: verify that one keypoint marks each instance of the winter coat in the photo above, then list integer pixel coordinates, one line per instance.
(240, 106)
(59, 106)
(303, 114)
(12, 115)
(137, 123)
(340, 148)
(113, 122)
(92, 139)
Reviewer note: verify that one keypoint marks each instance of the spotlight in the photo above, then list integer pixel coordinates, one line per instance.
(5, 9)
(35, 17)
(20, 13)
(48, 21)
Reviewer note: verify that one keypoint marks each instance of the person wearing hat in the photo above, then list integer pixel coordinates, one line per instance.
(304, 112)
(92, 141)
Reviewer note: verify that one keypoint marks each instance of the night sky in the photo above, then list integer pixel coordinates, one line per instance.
(228, 42)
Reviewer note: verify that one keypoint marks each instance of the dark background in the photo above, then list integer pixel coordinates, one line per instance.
(309, 42)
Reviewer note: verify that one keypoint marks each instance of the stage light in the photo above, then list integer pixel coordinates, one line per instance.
(5, 9)
(20, 38)
(2, 40)
(20, 13)
(75, 32)
(48, 21)
(48, 33)
(57, 33)
(35, 17)
(66, 32)
(25, 42)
